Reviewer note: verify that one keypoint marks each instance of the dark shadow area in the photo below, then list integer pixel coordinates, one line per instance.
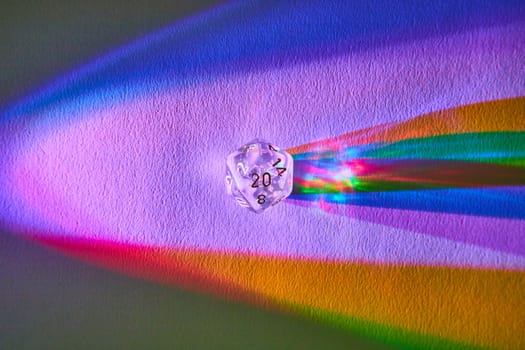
(44, 39)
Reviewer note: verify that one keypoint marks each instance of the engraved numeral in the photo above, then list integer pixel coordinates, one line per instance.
(261, 199)
(266, 180)
(280, 170)
(255, 178)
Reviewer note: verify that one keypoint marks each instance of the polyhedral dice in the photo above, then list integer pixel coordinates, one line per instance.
(259, 175)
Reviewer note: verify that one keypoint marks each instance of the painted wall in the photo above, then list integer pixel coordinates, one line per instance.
(406, 124)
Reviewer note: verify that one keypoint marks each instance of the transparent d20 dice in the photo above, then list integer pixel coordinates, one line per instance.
(259, 175)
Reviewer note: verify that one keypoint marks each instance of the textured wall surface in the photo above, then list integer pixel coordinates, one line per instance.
(121, 163)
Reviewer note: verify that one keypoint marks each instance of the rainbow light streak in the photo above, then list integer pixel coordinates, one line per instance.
(477, 169)
(409, 231)
(467, 160)
(345, 294)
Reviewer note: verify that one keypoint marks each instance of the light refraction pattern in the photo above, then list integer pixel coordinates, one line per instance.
(446, 151)
(406, 223)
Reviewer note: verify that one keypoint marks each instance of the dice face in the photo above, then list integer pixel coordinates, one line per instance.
(259, 175)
